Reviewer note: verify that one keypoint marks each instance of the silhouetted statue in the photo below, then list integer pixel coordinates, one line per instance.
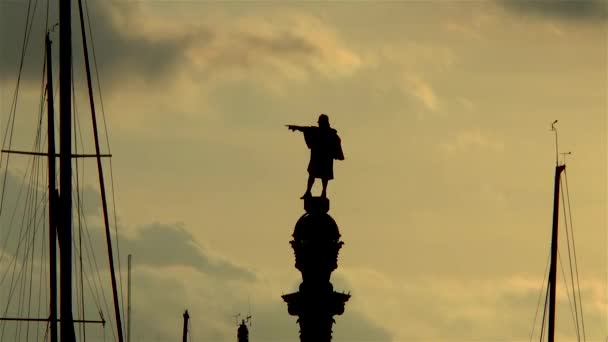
(325, 146)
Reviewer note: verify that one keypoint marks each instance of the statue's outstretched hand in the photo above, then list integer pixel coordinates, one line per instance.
(292, 127)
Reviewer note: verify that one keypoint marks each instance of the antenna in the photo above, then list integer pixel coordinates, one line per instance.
(249, 315)
(129, 300)
(556, 148)
(564, 154)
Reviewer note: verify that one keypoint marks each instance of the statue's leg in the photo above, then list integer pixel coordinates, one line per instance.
(309, 184)
(324, 181)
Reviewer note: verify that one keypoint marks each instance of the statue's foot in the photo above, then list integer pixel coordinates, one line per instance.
(307, 194)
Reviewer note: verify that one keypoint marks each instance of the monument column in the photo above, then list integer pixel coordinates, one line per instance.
(316, 244)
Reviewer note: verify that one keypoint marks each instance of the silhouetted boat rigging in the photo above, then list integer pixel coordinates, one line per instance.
(59, 205)
(555, 257)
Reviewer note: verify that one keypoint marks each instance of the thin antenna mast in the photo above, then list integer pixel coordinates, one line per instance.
(553, 270)
(556, 147)
(185, 329)
(129, 301)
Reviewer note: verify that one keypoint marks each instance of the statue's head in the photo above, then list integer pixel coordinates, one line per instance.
(323, 121)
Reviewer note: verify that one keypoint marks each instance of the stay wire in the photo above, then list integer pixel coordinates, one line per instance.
(574, 253)
(540, 293)
(101, 103)
(26, 38)
(75, 176)
(572, 309)
(542, 330)
(570, 261)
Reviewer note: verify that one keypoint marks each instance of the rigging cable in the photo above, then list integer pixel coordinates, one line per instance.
(574, 253)
(539, 297)
(76, 196)
(103, 116)
(13, 111)
(78, 202)
(561, 264)
(578, 334)
(542, 329)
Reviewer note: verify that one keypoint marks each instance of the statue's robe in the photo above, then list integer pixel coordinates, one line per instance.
(325, 146)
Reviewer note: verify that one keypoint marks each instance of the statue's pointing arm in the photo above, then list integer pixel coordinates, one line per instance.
(297, 128)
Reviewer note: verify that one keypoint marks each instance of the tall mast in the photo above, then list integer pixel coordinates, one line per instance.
(52, 192)
(129, 301)
(185, 329)
(553, 270)
(65, 168)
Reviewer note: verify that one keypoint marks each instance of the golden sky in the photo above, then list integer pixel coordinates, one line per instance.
(444, 200)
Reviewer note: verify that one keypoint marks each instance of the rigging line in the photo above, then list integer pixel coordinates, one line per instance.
(119, 323)
(106, 132)
(46, 21)
(27, 265)
(27, 168)
(27, 330)
(23, 185)
(561, 264)
(82, 217)
(574, 252)
(542, 329)
(13, 265)
(103, 115)
(86, 228)
(78, 212)
(15, 281)
(25, 44)
(32, 211)
(540, 296)
(41, 277)
(578, 334)
(46, 331)
(93, 261)
(75, 178)
(35, 214)
(10, 231)
(22, 235)
(95, 295)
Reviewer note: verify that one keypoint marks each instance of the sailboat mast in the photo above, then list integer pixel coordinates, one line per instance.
(185, 329)
(52, 193)
(129, 301)
(553, 270)
(65, 169)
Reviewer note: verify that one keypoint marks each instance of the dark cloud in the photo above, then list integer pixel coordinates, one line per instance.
(128, 44)
(566, 9)
(162, 245)
(118, 51)
(23, 226)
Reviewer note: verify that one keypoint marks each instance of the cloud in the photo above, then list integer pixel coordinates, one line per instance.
(119, 51)
(424, 92)
(568, 9)
(282, 43)
(23, 219)
(461, 309)
(163, 245)
(470, 140)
